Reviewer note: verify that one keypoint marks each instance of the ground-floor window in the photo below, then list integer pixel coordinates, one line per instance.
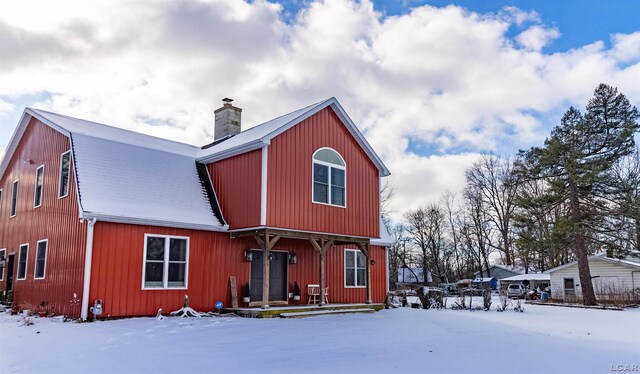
(165, 261)
(355, 270)
(22, 261)
(41, 259)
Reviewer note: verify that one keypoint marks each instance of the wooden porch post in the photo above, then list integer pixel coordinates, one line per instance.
(366, 250)
(321, 248)
(266, 244)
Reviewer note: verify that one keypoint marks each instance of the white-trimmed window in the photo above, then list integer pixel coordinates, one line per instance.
(37, 194)
(3, 260)
(329, 170)
(23, 255)
(14, 199)
(65, 168)
(355, 269)
(165, 261)
(41, 259)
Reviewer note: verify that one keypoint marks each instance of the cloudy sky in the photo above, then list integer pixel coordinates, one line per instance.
(432, 85)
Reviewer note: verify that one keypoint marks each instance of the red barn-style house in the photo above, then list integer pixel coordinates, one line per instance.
(89, 211)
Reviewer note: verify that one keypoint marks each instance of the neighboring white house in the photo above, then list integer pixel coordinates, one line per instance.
(412, 275)
(613, 279)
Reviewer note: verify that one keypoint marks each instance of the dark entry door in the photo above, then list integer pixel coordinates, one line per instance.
(277, 276)
(10, 272)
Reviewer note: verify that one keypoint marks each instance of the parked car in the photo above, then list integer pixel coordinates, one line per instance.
(516, 290)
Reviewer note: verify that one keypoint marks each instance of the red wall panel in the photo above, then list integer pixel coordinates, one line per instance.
(55, 220)
(289, 187)
(237, 182)
(213, 258)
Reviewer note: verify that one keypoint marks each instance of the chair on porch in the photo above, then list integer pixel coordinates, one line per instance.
(313, 290)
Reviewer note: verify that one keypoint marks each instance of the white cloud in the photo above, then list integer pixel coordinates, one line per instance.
(537, 37)
(445, 77)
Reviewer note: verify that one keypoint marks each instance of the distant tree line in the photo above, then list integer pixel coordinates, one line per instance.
(574, 196)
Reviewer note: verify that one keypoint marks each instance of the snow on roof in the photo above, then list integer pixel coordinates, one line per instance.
(118, 180)
(479, 280)
(629, 261)
(385, 238)
(532, 276)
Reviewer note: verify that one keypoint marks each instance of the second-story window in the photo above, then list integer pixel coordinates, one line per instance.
(14, 199)
(329, 184)
(37, 195)
(65, 167)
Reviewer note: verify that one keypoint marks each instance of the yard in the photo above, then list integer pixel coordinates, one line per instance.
(543, 339)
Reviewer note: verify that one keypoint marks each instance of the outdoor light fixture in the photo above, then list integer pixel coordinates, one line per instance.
(372, 262)
(293, 259)
(248, 256)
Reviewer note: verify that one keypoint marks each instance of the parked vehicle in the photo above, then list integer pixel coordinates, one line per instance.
(516, 290)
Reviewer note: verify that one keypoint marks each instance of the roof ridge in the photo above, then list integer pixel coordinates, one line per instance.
(135, 133)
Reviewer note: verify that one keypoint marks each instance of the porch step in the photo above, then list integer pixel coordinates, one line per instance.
(316, 313)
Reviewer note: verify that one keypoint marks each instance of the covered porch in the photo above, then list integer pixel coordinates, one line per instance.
(316, 245)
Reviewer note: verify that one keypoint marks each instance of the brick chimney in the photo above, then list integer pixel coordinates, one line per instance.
(227, 120)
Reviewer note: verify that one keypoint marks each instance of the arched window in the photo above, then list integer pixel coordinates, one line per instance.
(328, 177)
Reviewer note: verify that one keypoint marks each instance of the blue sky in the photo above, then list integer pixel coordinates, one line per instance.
(431, 87)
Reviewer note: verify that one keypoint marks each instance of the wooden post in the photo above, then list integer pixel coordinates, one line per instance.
(234, 291)
(265, 272)
(368, 275)
(366, 250)
(321, 248)
(266, 244)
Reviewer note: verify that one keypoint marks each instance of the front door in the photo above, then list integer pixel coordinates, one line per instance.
(9, 272)
(569, 289)
(277, 276)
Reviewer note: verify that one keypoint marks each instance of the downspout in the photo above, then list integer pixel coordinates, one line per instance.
(263, 187)
(87, 270)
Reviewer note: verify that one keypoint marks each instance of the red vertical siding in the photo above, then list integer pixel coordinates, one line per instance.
(213, 257)
(289, 187)
(116, 277)
(55, 220)
(237, 182)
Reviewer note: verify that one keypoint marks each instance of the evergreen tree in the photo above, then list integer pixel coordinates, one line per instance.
(577, 163)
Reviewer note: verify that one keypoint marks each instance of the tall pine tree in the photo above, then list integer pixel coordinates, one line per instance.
(577, 161)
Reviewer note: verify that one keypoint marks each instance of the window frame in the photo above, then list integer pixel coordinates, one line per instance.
(1, 196)
(68, 175)
(329, 165)
(26, 262)
(165, 269)
(354, 269)
(44, 264)
(35, 190)
(13, 209)
(3, 253)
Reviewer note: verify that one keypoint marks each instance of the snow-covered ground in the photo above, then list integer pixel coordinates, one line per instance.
(543, 339)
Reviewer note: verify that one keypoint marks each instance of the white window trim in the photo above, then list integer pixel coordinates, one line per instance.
(1, 196)
(3, 253)
(11, 206)
(330, 165)
(165, 271)
(46, 254)
(26, 262)
(60, 175)
(355, 277)
(35, 188)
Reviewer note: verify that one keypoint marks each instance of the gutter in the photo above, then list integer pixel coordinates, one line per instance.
(87, 270)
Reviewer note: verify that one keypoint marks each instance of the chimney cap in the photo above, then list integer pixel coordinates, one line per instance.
(227, 100)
